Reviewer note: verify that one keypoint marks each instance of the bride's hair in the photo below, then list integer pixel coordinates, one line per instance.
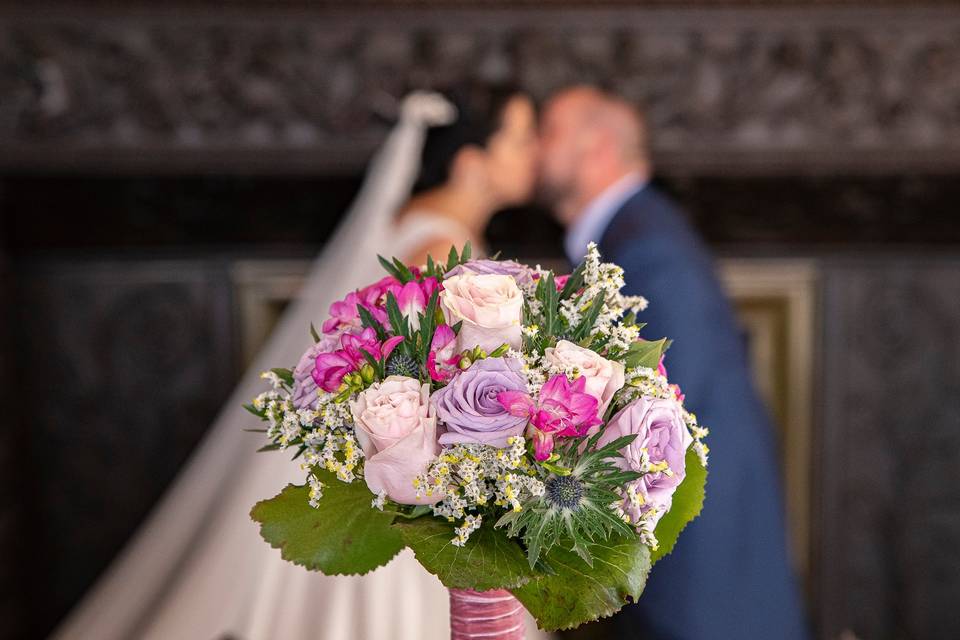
(479, 115)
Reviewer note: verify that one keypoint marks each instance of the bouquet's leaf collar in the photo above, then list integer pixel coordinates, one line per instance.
(344, 535)
(489, 560)
(578, 593)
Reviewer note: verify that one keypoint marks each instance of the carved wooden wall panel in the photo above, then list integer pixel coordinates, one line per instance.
(126, 365)
(890, 469)
(288, 89)
(12, 587)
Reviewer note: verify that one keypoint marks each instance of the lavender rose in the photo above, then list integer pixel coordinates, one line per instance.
(520, 272)
(663, 435)
(468, 406)
(304, 386)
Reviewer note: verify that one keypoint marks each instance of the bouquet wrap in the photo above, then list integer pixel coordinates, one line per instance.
(485, 614)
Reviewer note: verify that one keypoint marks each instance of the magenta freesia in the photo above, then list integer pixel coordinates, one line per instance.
(344, 314)
(412, 298)
(443, 359)
(331, 367)
(564, 409)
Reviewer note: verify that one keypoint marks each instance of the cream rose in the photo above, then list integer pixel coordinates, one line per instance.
(604, 377)
(397, 430)
(489, 306)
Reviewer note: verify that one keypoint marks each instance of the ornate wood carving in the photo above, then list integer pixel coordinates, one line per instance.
(12, 586)
(890, 453)
(129, 363)
(289, 89)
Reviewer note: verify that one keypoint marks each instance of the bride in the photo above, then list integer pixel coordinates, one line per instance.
(197, 568)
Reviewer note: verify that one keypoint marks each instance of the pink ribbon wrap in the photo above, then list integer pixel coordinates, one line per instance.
(485, 615)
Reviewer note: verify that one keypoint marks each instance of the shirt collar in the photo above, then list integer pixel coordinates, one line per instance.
(591, 224)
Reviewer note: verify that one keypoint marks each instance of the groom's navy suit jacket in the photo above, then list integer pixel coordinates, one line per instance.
(728, 576)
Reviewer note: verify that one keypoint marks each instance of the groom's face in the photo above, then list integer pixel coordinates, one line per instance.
(560, 152)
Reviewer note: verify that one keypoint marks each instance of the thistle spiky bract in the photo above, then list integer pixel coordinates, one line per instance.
(401, 364)
(576, 507)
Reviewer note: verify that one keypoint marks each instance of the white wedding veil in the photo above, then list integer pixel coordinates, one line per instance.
(197, 567)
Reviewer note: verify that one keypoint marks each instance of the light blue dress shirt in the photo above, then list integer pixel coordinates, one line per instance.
(595, 219)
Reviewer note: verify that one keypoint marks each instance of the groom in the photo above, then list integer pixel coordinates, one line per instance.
(728, 576)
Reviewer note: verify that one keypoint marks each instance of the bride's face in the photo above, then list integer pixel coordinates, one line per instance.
(512, 153)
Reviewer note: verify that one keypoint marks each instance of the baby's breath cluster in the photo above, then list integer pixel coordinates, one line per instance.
(475, 477)
(323, 436)
(533, 369)
(607, 278)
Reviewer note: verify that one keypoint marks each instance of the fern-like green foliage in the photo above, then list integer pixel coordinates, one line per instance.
(574, 510)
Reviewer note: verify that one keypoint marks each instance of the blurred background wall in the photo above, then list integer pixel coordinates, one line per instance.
(166, 174)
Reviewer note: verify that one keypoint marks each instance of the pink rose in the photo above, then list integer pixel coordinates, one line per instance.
(663, 436)
(603, 377)
(397, 430)
(488, 305)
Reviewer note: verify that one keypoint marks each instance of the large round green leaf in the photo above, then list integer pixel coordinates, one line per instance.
(687, 504)
(489, 559)
(577, 593)
(343, 536)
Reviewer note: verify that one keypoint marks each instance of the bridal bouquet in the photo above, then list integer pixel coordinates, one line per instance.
(508, 425)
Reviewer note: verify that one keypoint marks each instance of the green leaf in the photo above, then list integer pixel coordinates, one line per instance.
(428, 325)
(405, 274)
(367, 320)
(390, 268)
(646, 353)
(489, 559)
(574, 282)
(466, 252)
(687, 504)
(578, 593)
(313, 333)
(589, 318)
(260, 413)
(284, 374)
(453, 259)
(343, 536)
(397, 322)
(273, 446)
